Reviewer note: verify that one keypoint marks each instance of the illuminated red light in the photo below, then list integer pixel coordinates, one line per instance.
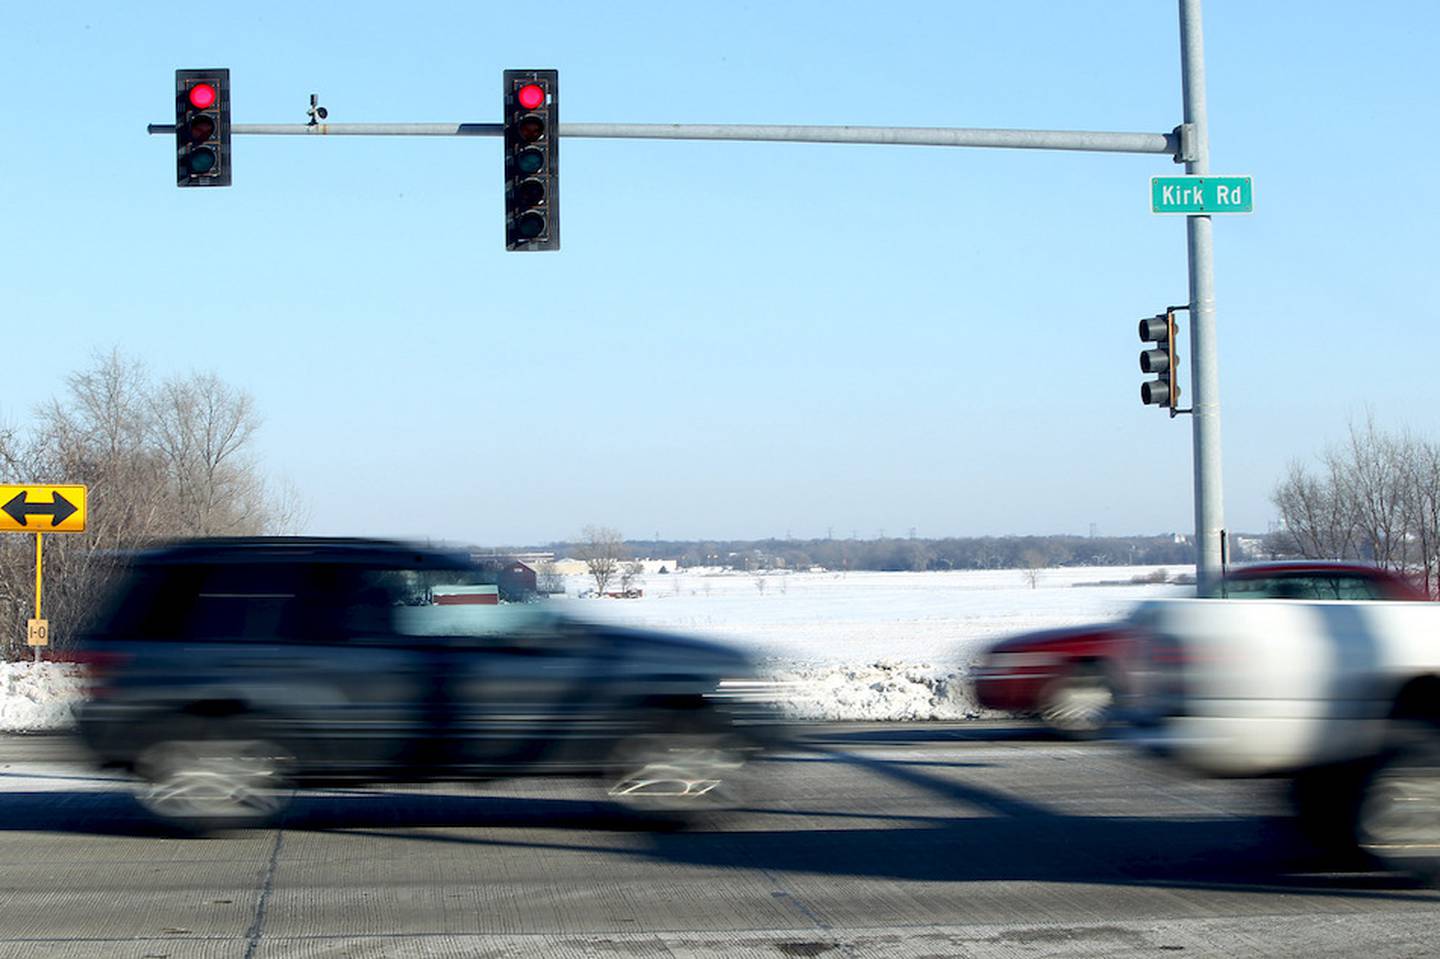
(531, 96)
(202, 96)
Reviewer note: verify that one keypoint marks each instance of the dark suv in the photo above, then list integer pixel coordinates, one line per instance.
(227, 672)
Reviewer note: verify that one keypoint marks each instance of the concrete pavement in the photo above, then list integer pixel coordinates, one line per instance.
(921, 839)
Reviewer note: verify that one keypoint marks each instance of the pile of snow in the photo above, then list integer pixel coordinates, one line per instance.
(37, 696)
(843, 646)
(883, 690)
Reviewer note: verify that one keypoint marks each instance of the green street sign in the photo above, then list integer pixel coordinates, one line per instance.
(1189, 195)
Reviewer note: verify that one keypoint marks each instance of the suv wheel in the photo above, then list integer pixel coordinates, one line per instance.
(1079, 704)
(219, 778)
(675, 774)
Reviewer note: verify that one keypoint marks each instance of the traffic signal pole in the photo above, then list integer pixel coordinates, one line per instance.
(1204, 368)
(1080, 140)
(1187, 143)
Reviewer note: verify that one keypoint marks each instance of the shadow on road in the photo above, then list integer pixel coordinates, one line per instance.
(992, 835)
(928, 733)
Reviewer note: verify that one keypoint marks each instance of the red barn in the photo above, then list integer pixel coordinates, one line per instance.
(466, 595)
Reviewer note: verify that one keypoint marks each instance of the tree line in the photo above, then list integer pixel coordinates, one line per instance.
(894, 554)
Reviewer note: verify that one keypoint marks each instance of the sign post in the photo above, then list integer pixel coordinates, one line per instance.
(37, 631)
(40, 509)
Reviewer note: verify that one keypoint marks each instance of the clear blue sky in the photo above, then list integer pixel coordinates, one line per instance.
(738, 340)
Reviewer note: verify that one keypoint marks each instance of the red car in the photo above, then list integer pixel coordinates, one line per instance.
(1073, 678)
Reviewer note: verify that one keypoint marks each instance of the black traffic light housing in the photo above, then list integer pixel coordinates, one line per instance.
(1160, 360)
(532, 160)
(202, 127)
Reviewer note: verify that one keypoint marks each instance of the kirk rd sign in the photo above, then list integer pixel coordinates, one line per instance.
(1201, 195)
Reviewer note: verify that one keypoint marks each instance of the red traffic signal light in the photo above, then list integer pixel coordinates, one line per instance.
(202, 127)
(531, 110)
(531, 96)
(202, 96)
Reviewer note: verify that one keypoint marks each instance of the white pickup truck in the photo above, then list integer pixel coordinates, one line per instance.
(1342, 698)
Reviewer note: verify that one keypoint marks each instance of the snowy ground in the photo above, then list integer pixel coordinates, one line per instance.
(848, 646)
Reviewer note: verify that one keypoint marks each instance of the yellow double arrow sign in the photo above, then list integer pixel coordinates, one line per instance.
(42, 509)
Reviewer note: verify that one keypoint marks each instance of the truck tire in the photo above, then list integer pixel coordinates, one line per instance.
(1326, 802)
(1398, 815)
(1079, 704)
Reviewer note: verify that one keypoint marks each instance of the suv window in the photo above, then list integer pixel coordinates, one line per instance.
(239, 601)
(147, 603)
(357, 600)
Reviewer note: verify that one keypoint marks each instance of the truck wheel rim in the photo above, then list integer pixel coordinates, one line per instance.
(1400, 815)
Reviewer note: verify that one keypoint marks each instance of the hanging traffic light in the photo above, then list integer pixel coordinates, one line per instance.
(532, 160)
(1160, 361)
(202, 127)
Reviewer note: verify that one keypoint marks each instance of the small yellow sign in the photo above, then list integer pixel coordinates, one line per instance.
(35, 508)
(37, 632)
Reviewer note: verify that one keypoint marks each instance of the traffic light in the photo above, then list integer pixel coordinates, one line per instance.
(202, 127)
(1160, 360)
(532, 160)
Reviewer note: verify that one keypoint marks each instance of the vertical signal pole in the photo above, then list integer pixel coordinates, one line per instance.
(1204, 375)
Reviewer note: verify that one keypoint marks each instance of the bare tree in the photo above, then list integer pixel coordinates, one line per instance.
(1421, 467)
(548, 579)
(1317, 522)
(1034, 562)
(602, 549)
(158, 463)
(629, 573)
(1371, 465)
(202, 430)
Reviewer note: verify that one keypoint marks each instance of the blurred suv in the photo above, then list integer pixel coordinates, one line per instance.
(1076, 679)
(224, 673)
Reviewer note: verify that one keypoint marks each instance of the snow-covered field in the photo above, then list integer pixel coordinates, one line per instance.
(875, 646)
(847, 646)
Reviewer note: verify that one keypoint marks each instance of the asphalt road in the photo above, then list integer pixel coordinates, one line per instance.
(913, 840)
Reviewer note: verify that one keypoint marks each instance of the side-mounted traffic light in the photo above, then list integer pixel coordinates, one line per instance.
(202, 127)
(1160, 361)
(532, 160)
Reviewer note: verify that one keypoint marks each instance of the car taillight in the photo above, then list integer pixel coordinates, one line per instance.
(99, 667)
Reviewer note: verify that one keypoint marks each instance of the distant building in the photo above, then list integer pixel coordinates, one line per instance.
(465, 595)
(515, 580)
(570, 566)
